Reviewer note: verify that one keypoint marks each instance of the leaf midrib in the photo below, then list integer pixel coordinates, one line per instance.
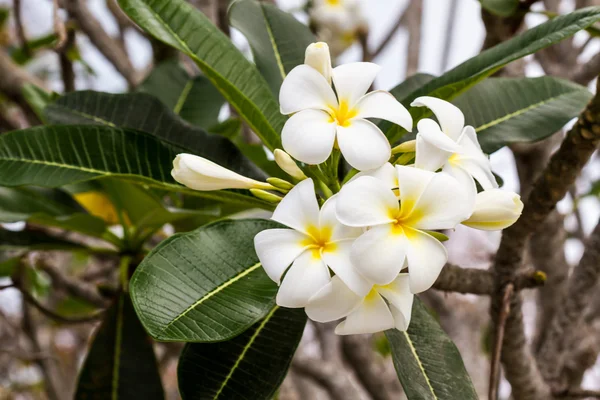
(273, 42)
(418, 359)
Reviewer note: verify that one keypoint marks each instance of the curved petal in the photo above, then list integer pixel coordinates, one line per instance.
(304, 87)
(366, 202)
(334, 301)
(277, 249)
(338, 259)
(328, 221)
(451, 118)
(373, 315)
(431, 132)
(378, 254)
(469, 142)
(352, 80)
(386, 173)
(398, 294)
(363, 145)
(443, 204)
(428, 156)
(381, 104)
(307, 275)
(299, 208)
(413, 182)
(426, 258)
(308, 136)
(474, 160)
(464, 179)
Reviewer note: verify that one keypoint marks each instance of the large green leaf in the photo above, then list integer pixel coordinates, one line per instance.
(180, 25)
(505, 110)
(427, 362)
(472, 71)
(250, 366)
(410, 85)
(204, 286)
(54, 156)
(145, 113)
(278, 40)
(121, 362)
(194, 99)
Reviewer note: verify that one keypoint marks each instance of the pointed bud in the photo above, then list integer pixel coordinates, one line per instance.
(317, 56)
(495, 209)
(266, 196)
(201, 174)
(406, 147)
(288, 165)
(280, 183)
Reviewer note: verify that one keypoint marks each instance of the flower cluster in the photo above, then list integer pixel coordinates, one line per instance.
(375, 241)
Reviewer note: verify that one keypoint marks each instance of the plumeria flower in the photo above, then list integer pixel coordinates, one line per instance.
(288, 165)
(364, 314)
(315, 241)
(201, 174)
(338, 15)
(321, 119)
(495, 209)
(451, 146)
(397, 225)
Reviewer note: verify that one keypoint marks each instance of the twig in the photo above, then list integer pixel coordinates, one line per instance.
(11, 84)
(330, 376)
(413, 26)
(450, 23)
(400, 20)
(66, 66)
(586, 72)
(9, 286)
(579, 233)
(499, 338)
(59, 26)
(20, 28)
(51, 314)
(579, 393)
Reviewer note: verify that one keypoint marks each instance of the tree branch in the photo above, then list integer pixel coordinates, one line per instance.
(499, 338)
(585, 72)
(330, 376)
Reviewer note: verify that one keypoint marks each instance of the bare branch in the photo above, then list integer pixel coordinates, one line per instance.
(13, 80)
(449, 34)
(579, 394)
(51, 314)
(587, 71)
(400, 20)
(59, 26)
(414, 15)
(19, 26)
(330, 376)
(499, 338)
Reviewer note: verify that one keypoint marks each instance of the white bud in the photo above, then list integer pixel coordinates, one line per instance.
(495, 209)
(288, 165)
(201, 174)
(317, 56)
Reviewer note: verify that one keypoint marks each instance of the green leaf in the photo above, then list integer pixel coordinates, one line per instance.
(250, 366)
(410, 85)
(37, 98)
(204, 286)
(144, 113)
(194, 99)
(277, 39)
(54, 156)
(182, 26)
(121, 362)
(34, 240)
(22, 56)
(505, 110)
(8, 266)
(427, 362)
(472, 71)
(502, 8)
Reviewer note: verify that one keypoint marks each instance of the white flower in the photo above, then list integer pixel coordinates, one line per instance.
(288, 165)
(317, 56)
(338, 15)
(364, 314)
(315, 242)
(454, 147)
(495, 209)
(397, 231)
(320, 117)
(201, 174)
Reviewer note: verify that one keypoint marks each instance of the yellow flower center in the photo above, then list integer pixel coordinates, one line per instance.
(342, 114)
(405, 218)
(319, 240)
(333, 2)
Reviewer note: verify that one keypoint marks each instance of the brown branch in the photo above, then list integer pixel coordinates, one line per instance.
(579, 394)
(449, 34)
(585, 72)
(59, 26)
(400, 20)
(66, 66)
(499, 338)
(12, 82)
(52, 315)
(19, 27)
(414, 15)
(328, 375)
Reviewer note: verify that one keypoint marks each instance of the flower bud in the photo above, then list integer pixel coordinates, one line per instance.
(264, 195)
(201, 174)
(288, 165)
(280, 184)
(317, 56)
(495, 209)
(406, 147)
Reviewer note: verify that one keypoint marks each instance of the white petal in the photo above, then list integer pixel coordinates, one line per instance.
(288, 165)
(373, 315)
(400, 298)
(317, 56)
(428, 156)
(474, 160)
(495, 209)
(426, 258)
(465, 180)
(366, 202)
(352, 80)
(451, 118)
(299, 208)
(381, 104)
(378, 254)
(277, 249)
(443, 204)
(386, 173)
(469, 142)
(303, 88)
(308, 136)
(363, 145)
(334, 301)
(328, 221)
(430, 131)
(338, 258)
(307, 275)
(413, 182)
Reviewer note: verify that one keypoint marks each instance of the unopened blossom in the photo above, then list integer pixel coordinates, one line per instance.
(363, 314)
(201, 174)
(397, 223)
(451, 146)
(288, 165)
(317, 56)
(495, 209)
(321, 119)
(314, 243)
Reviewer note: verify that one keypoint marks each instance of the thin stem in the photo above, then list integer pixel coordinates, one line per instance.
(495, 367)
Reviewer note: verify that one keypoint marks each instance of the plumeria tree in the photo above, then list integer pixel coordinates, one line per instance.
(317, 207)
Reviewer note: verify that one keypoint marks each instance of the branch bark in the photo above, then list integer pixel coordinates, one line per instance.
(328, 375)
